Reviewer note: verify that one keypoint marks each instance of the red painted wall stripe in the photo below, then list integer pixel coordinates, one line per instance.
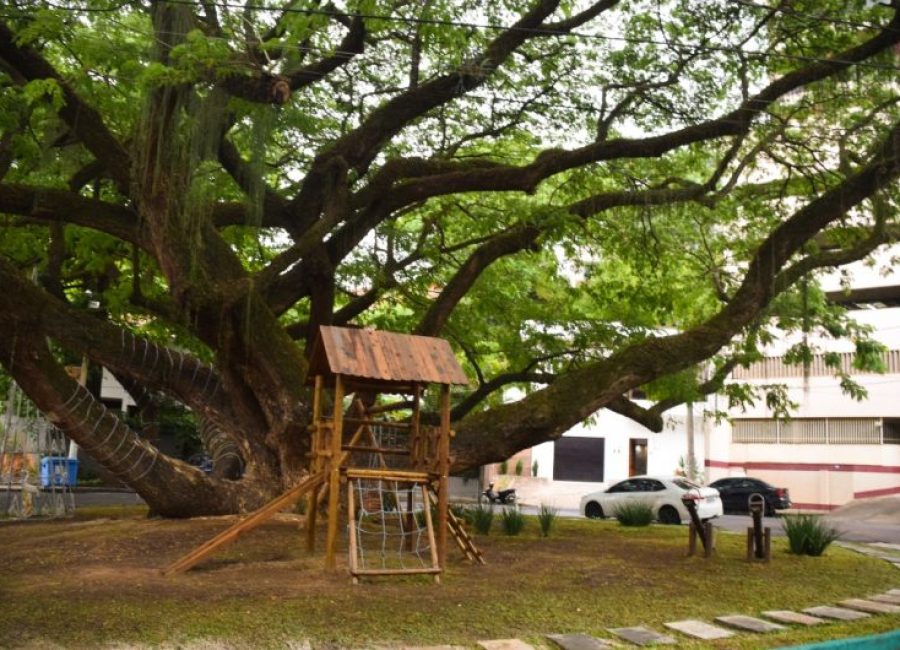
(883, 492)
(813, 506)
(807, 467)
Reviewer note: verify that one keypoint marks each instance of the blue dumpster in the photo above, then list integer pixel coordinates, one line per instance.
(59, 471)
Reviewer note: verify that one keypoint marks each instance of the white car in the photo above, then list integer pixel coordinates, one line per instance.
(662, 493)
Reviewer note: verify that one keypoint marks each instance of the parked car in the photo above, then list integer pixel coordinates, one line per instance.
(662, 493)
(736, 491)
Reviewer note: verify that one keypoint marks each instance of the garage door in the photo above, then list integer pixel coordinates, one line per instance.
(578, 459)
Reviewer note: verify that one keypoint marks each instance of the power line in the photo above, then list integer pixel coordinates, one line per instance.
(539, 31)
(534, 101)
(520, 102)
(814, 17)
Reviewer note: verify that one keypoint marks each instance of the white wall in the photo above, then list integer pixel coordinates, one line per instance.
(110, 388)
(664, 448)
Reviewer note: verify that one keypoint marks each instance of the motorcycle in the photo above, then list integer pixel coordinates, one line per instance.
(503, 497)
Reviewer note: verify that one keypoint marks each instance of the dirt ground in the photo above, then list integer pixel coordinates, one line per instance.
(98, 582)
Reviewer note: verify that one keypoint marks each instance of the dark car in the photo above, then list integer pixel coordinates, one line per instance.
(736, 490)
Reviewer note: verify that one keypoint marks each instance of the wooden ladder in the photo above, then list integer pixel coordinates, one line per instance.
(246, 524)
(463, 539)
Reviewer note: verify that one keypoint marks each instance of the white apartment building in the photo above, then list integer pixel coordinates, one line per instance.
(832, 450)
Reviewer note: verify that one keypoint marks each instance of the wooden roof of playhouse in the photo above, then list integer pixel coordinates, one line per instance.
(386, 359)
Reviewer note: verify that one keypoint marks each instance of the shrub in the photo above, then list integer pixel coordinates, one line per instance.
(512, 520)
(808, 534)
(534, 469)
(461, 512)
(482, 518)
(634, 513)
(421, 521)
(520, 467)
(504, 467)
(547, 517)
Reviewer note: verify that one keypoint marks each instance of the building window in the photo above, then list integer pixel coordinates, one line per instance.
(755, 431)
(816, 431)
(891, 430)
(776, 368)
(578, 459)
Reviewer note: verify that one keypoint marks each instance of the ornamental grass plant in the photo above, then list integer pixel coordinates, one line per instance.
(634, 513)
(482, 518)
(513, 521)
(547, 516)
(809, 534)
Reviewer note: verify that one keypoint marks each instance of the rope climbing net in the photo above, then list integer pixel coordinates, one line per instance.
(391, 530)
(34, 470)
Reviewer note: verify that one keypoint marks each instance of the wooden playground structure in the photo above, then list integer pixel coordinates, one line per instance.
(395, 473)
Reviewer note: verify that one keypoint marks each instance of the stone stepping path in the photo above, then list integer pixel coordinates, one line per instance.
(886, 598)
(837, 613)
(850, 610)
(642, 636)
(699, 629)
(787, 616)
(505, 644)
(749, 623)
(870, 606)
(582, 642)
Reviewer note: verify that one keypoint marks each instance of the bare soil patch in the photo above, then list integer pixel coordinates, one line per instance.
(96, 582)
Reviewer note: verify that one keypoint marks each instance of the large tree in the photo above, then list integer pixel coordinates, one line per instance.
(584, 197)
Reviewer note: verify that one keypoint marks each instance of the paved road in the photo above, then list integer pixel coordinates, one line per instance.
(852, 530)
(87, 499)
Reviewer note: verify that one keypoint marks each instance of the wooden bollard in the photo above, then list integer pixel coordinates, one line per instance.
(764, 553)
(759, 539)
(698, 528)
(707, 535)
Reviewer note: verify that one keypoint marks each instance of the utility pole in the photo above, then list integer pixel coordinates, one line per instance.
(691, 461)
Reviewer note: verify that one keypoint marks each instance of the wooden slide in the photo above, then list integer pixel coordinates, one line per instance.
(246, 524)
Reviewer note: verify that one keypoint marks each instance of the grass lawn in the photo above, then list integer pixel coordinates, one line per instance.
(95, 580)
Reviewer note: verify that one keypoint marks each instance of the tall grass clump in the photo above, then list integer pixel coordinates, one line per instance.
(420, 516)
(462, 513)
(482, 518)
(547, 517)
(809, 534)
(512, 521)
(635, 513)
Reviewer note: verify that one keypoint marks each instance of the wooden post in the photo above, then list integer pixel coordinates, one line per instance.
(415, 431)
(429, 526)
(312, 503)
(444, 471)
(413, 444)
(758, 540)
(334, 474)
(696, 525)
(351, 519)
(709, 534)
